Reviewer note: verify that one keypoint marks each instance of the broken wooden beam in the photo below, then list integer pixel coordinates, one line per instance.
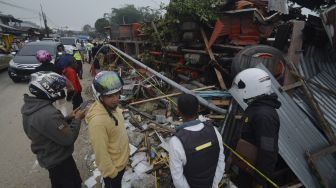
(220, 102)
(169, 95)
(212, 57)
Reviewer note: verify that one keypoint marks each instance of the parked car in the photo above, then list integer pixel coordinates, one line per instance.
(69, 40)
(50, 39)
(4, 60)
(24, 62)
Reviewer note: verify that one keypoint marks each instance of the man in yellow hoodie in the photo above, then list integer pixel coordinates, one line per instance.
(107, 130)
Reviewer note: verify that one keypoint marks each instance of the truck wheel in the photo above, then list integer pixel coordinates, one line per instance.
(273, 59)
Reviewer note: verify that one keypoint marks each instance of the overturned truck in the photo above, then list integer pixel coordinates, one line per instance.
(298, 50)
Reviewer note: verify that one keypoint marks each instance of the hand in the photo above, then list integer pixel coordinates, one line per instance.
(79, 114)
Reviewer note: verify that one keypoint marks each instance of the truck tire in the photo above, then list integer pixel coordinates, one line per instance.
(273, 59)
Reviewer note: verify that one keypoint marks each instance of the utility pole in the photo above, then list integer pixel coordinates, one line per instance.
(40, 16)
(45, 21)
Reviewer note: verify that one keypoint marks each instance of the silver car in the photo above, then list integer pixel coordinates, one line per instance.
(4, 60)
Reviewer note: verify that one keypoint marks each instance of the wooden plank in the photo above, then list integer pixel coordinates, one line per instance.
(212, 57)
(295, 186)
(220, 102)
(326, 151)
(291, 86)
(211, 116)
(295, 49)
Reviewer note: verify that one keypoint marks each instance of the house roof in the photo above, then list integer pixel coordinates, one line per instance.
(9, 18)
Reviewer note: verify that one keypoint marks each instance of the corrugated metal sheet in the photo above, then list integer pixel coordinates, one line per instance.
(329, 22)
(298, 135)
(318, 60)
(280, 6)
(320, 67)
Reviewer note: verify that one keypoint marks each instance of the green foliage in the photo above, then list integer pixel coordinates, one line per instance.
(178, 11)
(149, 14)
(87, 28)
(202, 10)
(92, 34)
(100, 24)
(125, 15)
(167, 29)
(131, 14)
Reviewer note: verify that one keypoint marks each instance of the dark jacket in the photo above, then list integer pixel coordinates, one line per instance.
(44, 125)
(46, 67)
(64, 61)
(261, 127)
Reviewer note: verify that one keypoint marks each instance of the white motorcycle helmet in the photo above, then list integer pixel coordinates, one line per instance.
(47, 85)
(251, 83)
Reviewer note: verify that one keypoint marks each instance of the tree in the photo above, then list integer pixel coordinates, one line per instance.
(126, 15)
(87, 28)
(197, 9)
(100, 24)
(149, 14)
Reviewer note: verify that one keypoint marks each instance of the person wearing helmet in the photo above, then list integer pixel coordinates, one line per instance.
(107, 130)
(52, 135)
(75, 94)
(196, 151)
(78, 57)
(260, 122)
(65, 60)
(44, 57)
(89, 47)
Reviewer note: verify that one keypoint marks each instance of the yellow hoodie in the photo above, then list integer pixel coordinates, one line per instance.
(109, 142)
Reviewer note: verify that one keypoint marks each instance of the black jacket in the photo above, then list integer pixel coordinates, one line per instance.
(261, 127)
(46, 67)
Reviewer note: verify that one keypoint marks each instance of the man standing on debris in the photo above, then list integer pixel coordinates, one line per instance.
(196, 151)
(52, 138)
(261, 123)
(107, 130)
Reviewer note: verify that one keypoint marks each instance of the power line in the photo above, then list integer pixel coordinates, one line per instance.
(19, 7)
(27, 9)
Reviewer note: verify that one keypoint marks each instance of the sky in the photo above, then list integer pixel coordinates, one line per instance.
(73, 14)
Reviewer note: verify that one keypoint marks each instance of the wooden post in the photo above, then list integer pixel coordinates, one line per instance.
(212, 57)
(295, 49)
(157, 34)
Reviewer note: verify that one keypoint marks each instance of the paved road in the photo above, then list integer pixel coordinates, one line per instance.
(19, 167)
(18, 164)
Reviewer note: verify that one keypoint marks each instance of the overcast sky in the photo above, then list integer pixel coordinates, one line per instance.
(71, 13)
